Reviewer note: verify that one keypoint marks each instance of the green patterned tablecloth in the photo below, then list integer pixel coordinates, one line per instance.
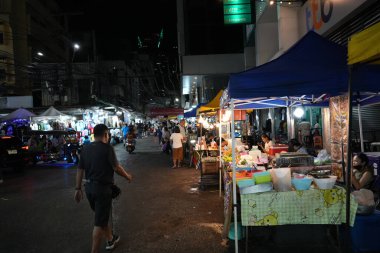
(296, 207)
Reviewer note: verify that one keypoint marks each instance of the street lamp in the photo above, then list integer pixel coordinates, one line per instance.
(76, 47)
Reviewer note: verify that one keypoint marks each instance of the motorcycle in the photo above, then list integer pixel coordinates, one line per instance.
(130, 146)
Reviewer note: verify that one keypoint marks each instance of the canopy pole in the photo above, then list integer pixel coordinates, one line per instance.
(273, 131)
(311, 117)
(289, 122)
(232, 107)
(360, 128)
(349, 155)
(220, 152)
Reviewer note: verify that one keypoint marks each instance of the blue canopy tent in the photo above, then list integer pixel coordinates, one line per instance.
(313, 66)
(193, 112)
(310, 72)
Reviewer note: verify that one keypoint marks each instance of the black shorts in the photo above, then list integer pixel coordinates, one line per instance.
(100, 198)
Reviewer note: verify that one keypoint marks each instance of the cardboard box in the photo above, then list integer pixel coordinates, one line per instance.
(210, 168)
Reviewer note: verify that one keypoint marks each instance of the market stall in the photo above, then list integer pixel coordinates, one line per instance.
(364, 58)
(311, 71)
(17, 123)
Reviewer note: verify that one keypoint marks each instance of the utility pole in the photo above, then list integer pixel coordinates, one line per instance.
(68, 50)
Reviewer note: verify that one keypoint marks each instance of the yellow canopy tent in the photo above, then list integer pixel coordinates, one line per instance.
(365, 46)
(213, 105)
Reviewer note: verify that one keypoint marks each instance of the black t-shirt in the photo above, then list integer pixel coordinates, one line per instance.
(98, 160)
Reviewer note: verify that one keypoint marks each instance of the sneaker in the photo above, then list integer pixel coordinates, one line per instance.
(111, 244)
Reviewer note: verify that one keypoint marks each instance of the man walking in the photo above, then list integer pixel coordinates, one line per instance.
(98, 163)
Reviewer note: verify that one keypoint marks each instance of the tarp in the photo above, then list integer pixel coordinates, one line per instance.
(193, 112)
(212, 105)
(51, 113)
(314, 65)
(365, 45)
(20, 113)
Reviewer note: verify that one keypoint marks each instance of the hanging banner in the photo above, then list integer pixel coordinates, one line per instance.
(339, 113)
(165, 112)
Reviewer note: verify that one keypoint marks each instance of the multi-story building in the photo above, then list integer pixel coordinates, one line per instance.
(30, 32)
(208, 50)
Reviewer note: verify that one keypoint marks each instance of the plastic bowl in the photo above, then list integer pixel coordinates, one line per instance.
(325, 183)
(302, 184)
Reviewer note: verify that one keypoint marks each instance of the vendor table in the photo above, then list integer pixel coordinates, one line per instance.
(296, 207)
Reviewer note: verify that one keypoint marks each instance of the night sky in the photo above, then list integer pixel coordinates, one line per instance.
(117, 23)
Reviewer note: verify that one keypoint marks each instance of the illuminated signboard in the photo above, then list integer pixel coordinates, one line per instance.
(237, 12)
(237, 9)
(237, 19)
(225, 2)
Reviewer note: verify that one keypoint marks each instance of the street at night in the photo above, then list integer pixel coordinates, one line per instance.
(160, 211)
(228, 126)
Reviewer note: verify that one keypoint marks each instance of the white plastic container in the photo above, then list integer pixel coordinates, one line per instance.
(255, 154)
(325, 183)
(281, 178)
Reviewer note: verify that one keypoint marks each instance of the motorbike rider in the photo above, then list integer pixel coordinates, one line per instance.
(131, 138)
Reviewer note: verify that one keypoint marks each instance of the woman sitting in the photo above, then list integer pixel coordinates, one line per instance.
(268, 143)
(362, 174)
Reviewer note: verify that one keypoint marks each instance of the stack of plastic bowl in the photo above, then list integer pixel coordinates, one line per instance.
(262, 177)
(325, 183)
(302, 184)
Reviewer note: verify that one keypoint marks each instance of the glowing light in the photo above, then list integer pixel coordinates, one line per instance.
(271, 2)
(298, 112)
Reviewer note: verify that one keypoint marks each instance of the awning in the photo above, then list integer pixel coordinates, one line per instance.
(193, 112)
(213, 105)
(20, 113)
(365, 45)
(313, 68)
(51, 113)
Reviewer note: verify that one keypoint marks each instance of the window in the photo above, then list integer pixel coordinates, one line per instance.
(1, 38)
(3, 75)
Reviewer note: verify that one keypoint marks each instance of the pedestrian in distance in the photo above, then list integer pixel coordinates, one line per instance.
(97, 164)
(166, 141)
(177, 150)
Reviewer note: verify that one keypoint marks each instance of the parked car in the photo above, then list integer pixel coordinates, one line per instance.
(13, 153)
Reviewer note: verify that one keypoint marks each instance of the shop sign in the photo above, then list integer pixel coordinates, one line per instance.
(321, 15)
(156, 112)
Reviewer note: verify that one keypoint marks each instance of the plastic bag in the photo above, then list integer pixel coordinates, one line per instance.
(366, 202)
(322, 158)
(281, 178)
